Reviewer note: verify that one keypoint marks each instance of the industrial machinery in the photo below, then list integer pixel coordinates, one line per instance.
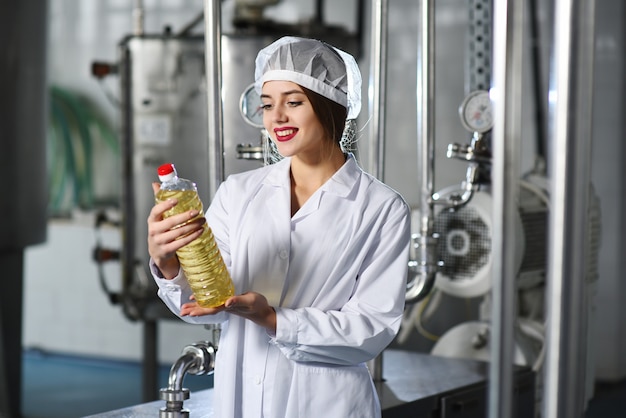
(463, 227)
(453, 246)
(164, 79)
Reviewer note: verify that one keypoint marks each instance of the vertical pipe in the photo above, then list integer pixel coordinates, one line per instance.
(138, 18)
(425, 241)
(506, 95)
(377, 87)
(426, 113)
(376, 94)
(570, 97)
(128, 201)
(213, 71)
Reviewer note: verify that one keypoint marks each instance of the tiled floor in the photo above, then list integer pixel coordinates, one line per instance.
(57, 386)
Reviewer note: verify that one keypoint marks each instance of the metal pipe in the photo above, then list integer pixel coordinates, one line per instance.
(128, 197)
(179, 369)
(425, 269)
(377, 87)
(197, 359)
(570, 100)
(426, 111)
(377, 90)
(506, 96)
(213, 71)
(138, 18)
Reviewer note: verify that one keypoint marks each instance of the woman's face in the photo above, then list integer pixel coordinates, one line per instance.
(291, 121)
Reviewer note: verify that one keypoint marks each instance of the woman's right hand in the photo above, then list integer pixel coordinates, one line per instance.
(164, 238)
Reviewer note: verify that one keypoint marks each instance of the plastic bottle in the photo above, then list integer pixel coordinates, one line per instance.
(201, 259)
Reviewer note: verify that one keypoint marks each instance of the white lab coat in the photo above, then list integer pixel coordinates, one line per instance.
(335, 273)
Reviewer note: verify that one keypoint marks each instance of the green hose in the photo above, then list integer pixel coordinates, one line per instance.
(74, 128)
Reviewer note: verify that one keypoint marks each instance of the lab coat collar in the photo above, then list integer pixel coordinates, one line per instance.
(340, 184)
(343, 181)
(279, 173)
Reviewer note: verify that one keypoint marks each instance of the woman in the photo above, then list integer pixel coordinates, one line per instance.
(317, 249)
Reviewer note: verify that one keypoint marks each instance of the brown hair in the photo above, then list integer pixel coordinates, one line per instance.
(331, 114)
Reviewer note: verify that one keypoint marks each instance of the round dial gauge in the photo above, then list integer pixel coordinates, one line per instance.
(475, 112)
(250, 107)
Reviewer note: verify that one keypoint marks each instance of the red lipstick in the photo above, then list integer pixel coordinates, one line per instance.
(285, 134)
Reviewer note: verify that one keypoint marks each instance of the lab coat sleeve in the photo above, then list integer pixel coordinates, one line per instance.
(369, 321)
(175, 292)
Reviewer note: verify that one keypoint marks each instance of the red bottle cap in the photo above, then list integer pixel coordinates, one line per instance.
(165, 169)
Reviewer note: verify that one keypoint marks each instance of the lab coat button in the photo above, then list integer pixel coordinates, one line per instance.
(257, 380)
(283, 254)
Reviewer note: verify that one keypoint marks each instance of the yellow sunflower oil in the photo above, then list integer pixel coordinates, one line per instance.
(201, 259)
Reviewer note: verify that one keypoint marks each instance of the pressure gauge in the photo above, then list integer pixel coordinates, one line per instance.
(475, 112)
(250, 107)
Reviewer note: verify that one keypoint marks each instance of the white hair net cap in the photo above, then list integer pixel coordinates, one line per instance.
(315, 65)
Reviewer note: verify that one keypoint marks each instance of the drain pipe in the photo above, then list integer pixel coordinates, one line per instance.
(197, 359)
(424, 269)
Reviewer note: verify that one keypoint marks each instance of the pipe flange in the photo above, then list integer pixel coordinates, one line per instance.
(204, 354)
(163, 413)
(172, 395)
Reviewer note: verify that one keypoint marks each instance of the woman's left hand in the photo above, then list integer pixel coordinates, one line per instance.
(249, 305)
